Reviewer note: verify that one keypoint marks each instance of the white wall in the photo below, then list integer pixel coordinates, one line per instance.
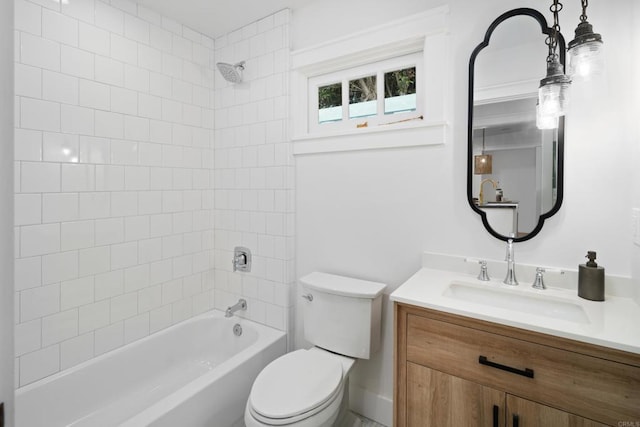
(254, 172)
(370, 214)
(632, 117)
(113, 153)
(6, 209)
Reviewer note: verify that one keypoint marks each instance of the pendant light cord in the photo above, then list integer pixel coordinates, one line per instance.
(483, 129)
(585, 4)
(552, 39)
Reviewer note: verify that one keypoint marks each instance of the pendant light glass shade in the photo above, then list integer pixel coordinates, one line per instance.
(545, 122)
(553, 94)
(586, 56)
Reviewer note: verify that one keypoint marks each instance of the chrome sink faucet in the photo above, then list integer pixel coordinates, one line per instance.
(240, 305)
(510, 279)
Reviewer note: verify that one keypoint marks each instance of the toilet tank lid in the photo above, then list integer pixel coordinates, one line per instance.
(341, 285)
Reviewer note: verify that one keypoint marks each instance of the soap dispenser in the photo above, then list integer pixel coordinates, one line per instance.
(591, 279)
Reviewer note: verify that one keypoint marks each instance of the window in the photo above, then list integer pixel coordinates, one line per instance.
(381, 87)
(330, 103)
(362, 97)
(400, 91)
(379, 93)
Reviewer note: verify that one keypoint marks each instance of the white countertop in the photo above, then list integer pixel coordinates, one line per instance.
(613, 323)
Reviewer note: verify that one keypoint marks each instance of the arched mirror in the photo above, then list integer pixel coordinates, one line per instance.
(514, 169)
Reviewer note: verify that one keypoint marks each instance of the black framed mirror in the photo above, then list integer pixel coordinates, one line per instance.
(515, 171)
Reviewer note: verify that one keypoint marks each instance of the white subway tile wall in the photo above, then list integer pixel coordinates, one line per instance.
(254, 179)
(114, 178)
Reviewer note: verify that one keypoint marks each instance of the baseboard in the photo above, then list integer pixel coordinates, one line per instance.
(373, 406)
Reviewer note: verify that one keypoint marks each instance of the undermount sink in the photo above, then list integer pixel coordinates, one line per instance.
(514, 300)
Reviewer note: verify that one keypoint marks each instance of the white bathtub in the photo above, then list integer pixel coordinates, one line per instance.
(195, 373)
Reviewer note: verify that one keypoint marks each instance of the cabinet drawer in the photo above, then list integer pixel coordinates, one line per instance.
(595, 388)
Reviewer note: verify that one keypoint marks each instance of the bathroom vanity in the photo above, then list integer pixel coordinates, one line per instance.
(472, 351)
(481, 353)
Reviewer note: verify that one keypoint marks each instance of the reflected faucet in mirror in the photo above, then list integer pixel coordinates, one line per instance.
(481, 195)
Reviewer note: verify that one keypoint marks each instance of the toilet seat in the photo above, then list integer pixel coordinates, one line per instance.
(321, 414)
(296, 386)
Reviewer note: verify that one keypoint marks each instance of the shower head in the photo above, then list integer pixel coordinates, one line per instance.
(231, 72)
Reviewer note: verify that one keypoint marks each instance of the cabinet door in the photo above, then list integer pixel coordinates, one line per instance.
(442, 400)
(525, 413)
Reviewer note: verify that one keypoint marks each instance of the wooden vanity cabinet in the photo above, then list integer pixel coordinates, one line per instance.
(523, 412)
(438, 399)
(456, 371)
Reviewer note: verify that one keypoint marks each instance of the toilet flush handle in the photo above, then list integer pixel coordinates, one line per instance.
(308, 297)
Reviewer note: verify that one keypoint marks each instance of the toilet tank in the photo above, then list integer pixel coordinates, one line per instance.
(342, 314)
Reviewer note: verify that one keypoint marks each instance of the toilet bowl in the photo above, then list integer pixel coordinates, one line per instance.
(304, 388)
(308, 388)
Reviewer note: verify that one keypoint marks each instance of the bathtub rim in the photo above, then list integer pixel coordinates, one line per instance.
(213, 313)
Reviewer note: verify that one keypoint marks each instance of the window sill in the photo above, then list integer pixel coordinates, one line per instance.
(374, 138)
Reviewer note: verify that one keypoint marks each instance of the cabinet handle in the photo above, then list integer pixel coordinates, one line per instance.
(496, 416)
(524, 372)
(516, 420)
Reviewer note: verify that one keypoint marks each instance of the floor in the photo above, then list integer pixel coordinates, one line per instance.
(351, 420)
(355, 420)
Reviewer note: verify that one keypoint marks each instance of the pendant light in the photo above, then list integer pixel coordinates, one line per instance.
(553, 94)
(483, 162)
(586, 58)
(545, 122)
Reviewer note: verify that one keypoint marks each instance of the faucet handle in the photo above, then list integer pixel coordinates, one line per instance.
(484, 274)
(538, 282)
(241, 259)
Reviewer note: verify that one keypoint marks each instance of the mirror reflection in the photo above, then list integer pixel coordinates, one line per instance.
(513, 164)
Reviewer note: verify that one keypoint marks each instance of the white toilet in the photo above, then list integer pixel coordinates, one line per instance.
(307, 388)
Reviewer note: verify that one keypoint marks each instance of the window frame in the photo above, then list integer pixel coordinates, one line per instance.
(379, 69)
(425, 33)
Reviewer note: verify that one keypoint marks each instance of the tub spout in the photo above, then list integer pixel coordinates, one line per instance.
(240, 305)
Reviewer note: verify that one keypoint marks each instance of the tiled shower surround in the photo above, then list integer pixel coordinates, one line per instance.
(124, 221)
(254, 175)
